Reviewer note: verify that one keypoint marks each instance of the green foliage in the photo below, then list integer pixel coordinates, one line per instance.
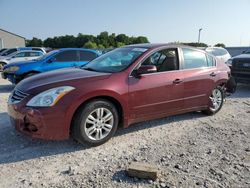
(91, 45)
(119, 44)
(101, 41)
(220, 45)
(196, 44)
(34, 42)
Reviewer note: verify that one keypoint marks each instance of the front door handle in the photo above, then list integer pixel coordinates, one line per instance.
(212, 74)
(177, 81)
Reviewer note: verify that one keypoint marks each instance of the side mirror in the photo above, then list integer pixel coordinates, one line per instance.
(243, 51)
(51, 60)
(145, 69)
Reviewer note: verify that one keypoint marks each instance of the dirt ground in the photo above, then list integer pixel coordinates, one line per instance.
(190, 150)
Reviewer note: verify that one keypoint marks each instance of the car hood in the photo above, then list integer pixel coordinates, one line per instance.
(63, 77)
(20, 63)
(242, 56)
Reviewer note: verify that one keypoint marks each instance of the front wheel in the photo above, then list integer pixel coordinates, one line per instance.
(95, 123)
(1, 66)
(216, 100)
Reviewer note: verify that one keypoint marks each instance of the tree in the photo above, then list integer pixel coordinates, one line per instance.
(196, 44)
(34, 42)
(119, 44)
(140, 39)
(220, 45)
(103, 40)
(91, 45)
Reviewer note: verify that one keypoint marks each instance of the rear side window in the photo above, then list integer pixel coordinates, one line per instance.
(66, 56)
(193, 59)
(21, 54)
(33, 54)
(210, 61)
(87, 56)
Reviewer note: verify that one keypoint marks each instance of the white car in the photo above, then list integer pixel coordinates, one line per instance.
(220, 53)
(25, 55)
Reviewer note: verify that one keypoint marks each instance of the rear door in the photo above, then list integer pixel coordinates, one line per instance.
(20, 56)
(199, 77)
(157, 94)
(63, 59)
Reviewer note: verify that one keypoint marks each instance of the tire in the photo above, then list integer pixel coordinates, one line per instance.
(1, 66)
(90, 128)
(217, 96)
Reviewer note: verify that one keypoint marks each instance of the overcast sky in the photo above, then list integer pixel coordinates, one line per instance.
(225, 21)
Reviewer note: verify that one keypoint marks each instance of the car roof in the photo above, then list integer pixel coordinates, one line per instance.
(85, 49)
(29, 51)
(158, 45)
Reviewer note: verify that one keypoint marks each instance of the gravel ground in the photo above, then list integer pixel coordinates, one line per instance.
(190, 150)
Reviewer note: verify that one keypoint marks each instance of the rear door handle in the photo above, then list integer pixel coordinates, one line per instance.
(177, 81)
(212, 74)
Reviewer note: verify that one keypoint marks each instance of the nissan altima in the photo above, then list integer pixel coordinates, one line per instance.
(127, 85)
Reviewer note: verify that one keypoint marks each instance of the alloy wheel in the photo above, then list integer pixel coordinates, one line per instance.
(99, 123)
(216, 99)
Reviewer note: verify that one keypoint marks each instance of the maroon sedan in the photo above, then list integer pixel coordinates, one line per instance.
(127, 85)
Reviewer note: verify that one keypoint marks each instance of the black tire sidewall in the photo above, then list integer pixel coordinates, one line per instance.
(83, 114)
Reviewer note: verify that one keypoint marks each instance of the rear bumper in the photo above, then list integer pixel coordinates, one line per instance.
(38, 123)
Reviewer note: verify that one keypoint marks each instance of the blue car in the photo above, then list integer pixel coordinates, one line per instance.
(57, 59)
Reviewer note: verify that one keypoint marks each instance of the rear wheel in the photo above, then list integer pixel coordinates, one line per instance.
(95, 123)
(216, 100)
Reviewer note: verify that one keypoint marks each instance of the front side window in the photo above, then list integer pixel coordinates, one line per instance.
(193, 59)
(164, 60)
(66, 56)
(115, 60)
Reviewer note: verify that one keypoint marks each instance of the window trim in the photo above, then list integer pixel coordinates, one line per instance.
(151, 53)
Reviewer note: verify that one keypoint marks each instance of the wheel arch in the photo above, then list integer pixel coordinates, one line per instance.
(29, 72)
(111, 99)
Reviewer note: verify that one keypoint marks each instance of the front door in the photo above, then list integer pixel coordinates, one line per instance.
(157, 94)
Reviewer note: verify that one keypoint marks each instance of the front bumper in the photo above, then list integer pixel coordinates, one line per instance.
(241, 76)
(42, 123)
(11, 77)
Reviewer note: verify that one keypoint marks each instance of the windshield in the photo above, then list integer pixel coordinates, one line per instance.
(115, 60)
(247, 51)
(46, 55)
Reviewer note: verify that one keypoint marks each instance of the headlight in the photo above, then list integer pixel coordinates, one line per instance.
(229, 62)
(49, 97)
(11, 69)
